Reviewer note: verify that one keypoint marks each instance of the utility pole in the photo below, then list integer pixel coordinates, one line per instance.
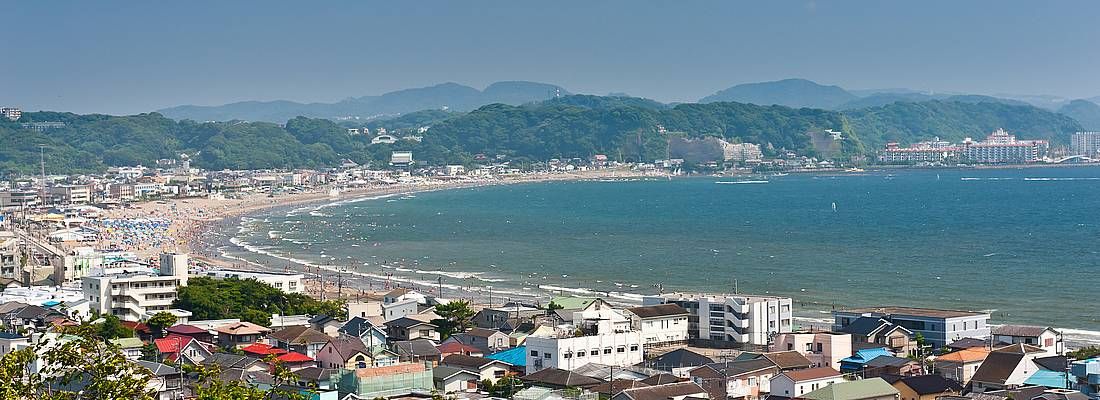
(42, 171)
(440, 279)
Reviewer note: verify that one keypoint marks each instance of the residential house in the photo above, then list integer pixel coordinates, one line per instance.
(823, 349)
(454, 379)
(1086, 375)
(262, 350)
(130, 347)
(318, 377)
(863, 389)
(370, 383)
(678, 362)
(227, 361)
(598, 340)
(301, 339)
(200, 334)
(486, 340)
(325, 324)
(240, 334)
(969, 343)
(610, 372)
(351, 352)
(792, 384)
(616, 386)
(661, 324)
(506, 318)
(406, 328)
(1042, 337)
(925, 387)
(455, 347)
(166, 381)
(890, 365)
(1006, 368)
(879, 331)
(418, 350)
(486, 368)
(294, 360)
(662, 379)
(372, 335)
(858, 361)
(784, 360)
(181, 349)
(672, 391)
(939, 327)
(12, 341)
(1053, 373)
(516, 357)
(745, 379)
(960, 365)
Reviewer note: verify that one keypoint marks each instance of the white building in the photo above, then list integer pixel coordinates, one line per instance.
(71, 194)
(1086, 144)
(793, 384)
(401, 158)
(137, 295)
(11, 113)
(1000, 147)
(590, 341)
(286, 282)
(661, 324)
(1042, 337)
(454, 170)
(732, 317)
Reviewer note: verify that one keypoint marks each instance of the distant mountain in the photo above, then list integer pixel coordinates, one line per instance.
(881, 99)
(1085, 112)
(977, 98)
(794, 93)
(605, 102)
(1038, 100)
(450, 96)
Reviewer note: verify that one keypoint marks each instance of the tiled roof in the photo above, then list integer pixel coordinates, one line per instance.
(931, 384)
(998, 366)
(972, 354)
(299, 334)
(295, 357)
(463, 360)
(390, 370)
(242, 328)
(172, 343)
(262, 349)
(185, 329)
(1020, 330)
(660, 310)
(853, 390)
(560, 378)
(810, 374)
(664, 392)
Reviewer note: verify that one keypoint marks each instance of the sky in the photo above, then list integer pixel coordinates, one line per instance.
(129, 57)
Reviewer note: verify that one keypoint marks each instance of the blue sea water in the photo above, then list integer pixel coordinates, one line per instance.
(1021, 243)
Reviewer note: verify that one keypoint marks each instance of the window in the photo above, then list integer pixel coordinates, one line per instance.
(567, 355)
(581, 353)
(594, 352)
(546, 355)
(633, 347)
(534, 353)
(607, 350)
(621, 349)
(819, 347)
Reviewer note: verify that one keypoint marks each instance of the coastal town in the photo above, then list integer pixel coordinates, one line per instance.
(118, 249)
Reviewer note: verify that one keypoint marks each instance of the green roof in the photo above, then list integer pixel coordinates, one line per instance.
(573, 303)
(128, 343)
(854, 390)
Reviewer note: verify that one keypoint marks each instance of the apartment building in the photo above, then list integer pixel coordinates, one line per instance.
(71, 194)
(600, 341)
(662, 324)
(1085, 144)
(286, 282)
(736, 318)
(939, 327)
(823, 349)
(137, 294)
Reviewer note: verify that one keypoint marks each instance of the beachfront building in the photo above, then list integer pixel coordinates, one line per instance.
(71, 194)
(735, 318)
(1043, 337)
(18, 199)
(401, 159)
(939, 327)
(1000, 147)
(594, 340)
(133, 293)
(931, 151)
(823, 349)
(284, 281)
(661, 324)
(1085, 144)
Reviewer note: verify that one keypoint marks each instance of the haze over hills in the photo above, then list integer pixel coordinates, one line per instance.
(450, 96)
(794, 93)
(1085, 112)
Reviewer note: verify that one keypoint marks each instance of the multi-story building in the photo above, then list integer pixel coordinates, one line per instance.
(135, 296)
(1086, 376)
(401, 159)
(732, 317)
(15, 199)
(600, 341)
(939, 327)
(121, 191)
(71, 194)
(11, 113)
(1085, 144)
(1002, 148)
(931, 151)
(662, 324)
(823, 349)
(741, 152)
(286, 282)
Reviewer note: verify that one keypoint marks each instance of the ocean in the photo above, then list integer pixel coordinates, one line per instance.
(1021, 244)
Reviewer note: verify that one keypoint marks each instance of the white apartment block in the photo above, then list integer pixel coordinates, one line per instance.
(662, 324)
(593, 339)
(1086, 144)
(11, 113)
(136, 296)
(71, 194)
(732, 317)
(286, 282)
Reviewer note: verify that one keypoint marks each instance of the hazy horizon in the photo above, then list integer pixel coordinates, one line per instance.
(125, 58)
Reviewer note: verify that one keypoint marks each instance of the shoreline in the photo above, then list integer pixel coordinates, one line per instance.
(358, 283)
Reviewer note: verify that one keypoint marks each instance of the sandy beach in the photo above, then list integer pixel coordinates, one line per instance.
(184, 225)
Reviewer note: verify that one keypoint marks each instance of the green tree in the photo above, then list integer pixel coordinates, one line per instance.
(211, 387)
(455, 317)
(111, 328)
(80, 364)
(159, 321)
(1085, 353)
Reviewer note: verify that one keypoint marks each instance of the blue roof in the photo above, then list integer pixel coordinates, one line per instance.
(516, 356)
(1048, 378)
(865, 355)
(50, 303)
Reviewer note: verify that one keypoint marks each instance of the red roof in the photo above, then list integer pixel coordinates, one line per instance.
(185, 329)
(137, 326)
(458, 347)
(294, 357)
(262, 349)
(172, 343)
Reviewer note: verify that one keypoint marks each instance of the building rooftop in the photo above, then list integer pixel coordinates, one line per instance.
(917, 312)
(853, 390)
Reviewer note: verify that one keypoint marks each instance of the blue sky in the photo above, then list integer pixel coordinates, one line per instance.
(128, 57)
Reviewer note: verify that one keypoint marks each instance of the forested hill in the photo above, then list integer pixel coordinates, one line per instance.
(571, 126)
